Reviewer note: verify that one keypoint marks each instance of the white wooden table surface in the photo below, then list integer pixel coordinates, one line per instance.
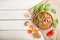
(11, 19)
(18, 4)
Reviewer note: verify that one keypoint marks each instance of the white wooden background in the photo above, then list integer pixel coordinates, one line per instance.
(11, 19)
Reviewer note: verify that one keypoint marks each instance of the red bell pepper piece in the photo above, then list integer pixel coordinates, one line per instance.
(50, 33)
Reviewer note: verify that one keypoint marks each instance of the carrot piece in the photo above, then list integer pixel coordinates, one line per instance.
(36, 33)
(29, 31)
(34, 30)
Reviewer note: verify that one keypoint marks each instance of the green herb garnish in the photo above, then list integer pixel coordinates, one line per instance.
(44, 15)
(35, 10)
(47, 7)
(39, 19)
(41, 7)
(53, 11)
(55, 22)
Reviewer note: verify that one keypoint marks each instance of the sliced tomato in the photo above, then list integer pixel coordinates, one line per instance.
(29, 31)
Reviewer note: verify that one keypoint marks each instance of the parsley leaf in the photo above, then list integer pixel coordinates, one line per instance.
(35, 10)
(47, 7)
(41, 7)
(39, 19)
(53, 11)
(55, 22)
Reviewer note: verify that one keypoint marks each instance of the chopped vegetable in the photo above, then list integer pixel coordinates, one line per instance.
(44, 15)
(53, 11)
(36, 33)
(47, 24)
(41, 7)
(35, 10)
(44, 26)
(48, 17)
(55, 22)
(30, 31)
(47, 7)
(35, 30)
(26, 23)
(50, 33)
(39, 19)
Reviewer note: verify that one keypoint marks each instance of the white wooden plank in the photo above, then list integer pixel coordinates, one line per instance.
(14, 35)
(17, 35)
(16, 14)
(13, 25)
(18, 4)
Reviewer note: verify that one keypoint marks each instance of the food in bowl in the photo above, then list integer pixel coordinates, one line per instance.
(43, 20)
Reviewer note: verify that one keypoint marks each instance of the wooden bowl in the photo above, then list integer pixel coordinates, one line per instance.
(43, 20)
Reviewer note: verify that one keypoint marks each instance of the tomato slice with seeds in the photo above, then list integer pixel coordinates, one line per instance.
(29, 31)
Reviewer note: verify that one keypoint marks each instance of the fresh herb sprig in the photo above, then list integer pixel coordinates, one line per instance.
(53, 11)
(41, 7)
(35, 10)
(39, 19)
(47, 7)
(44, 15)
(55, 22)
